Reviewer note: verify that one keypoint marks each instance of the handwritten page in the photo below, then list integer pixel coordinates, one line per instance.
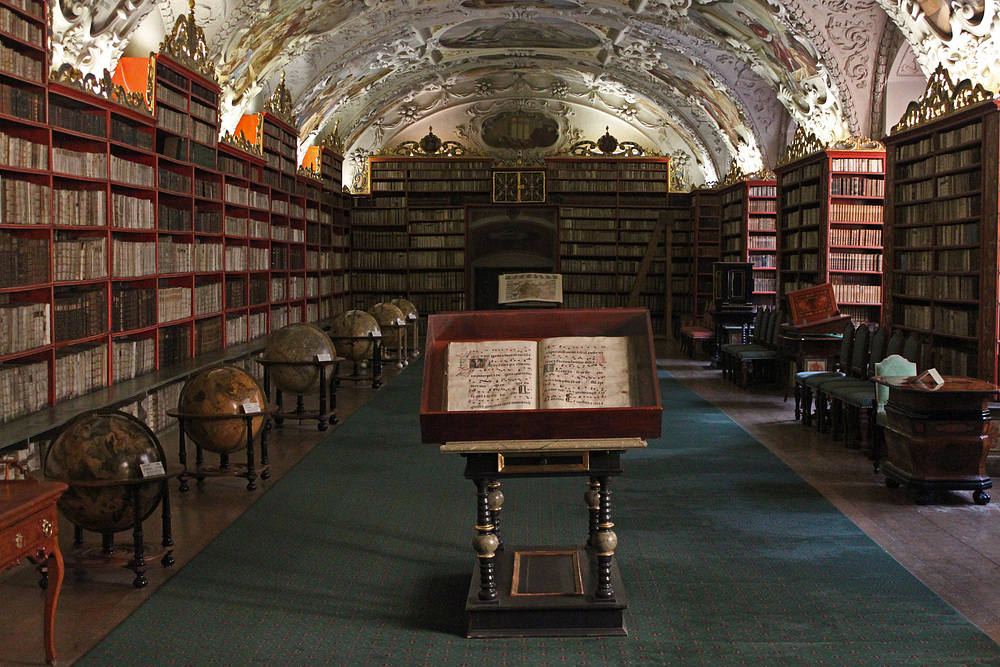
(492, 375)
(584, 372)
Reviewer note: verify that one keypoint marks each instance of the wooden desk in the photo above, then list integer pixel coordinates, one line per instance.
(561, 591)
(936, 435)
(29, 528)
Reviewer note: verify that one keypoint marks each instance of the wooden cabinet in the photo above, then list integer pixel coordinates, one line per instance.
(941, 236)
(748, 218)
(829, 228)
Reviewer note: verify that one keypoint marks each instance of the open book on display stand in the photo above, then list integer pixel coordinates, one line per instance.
(552, 373)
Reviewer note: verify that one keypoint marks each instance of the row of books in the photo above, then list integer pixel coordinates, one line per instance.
(24, 388)
(24, 202)
(80, 259)
(82, 208)
(132, 357)
(872, 165)
(955, 321)
(22, 64)
(24, 326)
(763, 190)
(855, 261)
(79, 370)
(80, 315)
(857, 186)
(856, 236)
(755, 224)
(23, 153)
(79, 163)
(132, 308)
(856, 213)
(800, 262)
(864, 294)
(803, 194)
(954, 288)
(26, 103)
(15, 26)
(133, 173)
(208, 335)
(207, 298)
(961, 135)
(23, 260)
(173, 303)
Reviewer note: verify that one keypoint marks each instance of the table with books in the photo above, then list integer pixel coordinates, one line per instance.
(542, 394)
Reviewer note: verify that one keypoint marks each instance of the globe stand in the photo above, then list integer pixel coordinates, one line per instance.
(375, 375)
(131, 556)
(225, 468)
(399, 355)
(324, 416)
(413, 335)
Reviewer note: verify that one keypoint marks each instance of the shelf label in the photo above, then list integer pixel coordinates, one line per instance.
(153, 469)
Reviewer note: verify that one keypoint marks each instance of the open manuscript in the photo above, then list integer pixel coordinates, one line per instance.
(564, 372)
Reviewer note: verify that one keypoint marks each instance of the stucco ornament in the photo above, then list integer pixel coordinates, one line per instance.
(91, 37)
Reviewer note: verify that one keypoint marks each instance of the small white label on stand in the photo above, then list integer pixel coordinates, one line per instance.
(323, 356)
(250, 408)
(154, 469)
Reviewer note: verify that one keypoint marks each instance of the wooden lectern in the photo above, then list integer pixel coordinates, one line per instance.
(560, 590)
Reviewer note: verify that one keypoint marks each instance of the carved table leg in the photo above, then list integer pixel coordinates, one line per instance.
(56, 570)
(604, 544)
(485, 542)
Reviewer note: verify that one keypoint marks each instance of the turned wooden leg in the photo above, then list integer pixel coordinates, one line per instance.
(592, 497)
(605, 542)
(485, 542)
(494, 500)
(55, 570)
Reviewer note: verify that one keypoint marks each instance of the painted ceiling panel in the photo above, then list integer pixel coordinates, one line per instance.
(719, 81)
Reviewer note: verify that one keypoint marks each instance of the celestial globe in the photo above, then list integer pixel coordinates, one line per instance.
(297, 342)
(353, 334)
(389, 318)
(104, 446)
(217, 391)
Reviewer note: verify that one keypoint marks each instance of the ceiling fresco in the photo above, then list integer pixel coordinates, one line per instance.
(712, 82)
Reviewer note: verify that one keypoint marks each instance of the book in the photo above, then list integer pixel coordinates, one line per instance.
(521, 287)
(552, 373)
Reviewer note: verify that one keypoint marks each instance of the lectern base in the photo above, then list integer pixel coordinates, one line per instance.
(546, 592)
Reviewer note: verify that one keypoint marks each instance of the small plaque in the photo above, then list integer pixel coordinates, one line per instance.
(154, 469)
(814, 364)
(323, 356)
(250, 408)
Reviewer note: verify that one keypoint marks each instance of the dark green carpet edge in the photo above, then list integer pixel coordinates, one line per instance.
(361, 554)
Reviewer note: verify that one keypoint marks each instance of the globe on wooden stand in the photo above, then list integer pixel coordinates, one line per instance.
(393, 325)
(298, 360)
(413, 324)
(117, 475)
(357, 338)
(222, 408)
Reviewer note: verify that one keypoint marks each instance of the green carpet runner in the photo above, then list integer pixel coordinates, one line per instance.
(361, 555)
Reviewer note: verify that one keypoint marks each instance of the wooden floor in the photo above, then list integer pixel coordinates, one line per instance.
(951, 546)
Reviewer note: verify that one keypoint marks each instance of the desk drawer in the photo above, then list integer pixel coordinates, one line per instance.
(23, 537)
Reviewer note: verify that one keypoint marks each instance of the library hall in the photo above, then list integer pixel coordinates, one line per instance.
(522, 332)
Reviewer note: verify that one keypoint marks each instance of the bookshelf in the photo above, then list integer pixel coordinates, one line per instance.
(830, 219)
(680, 227)
(706, 211)
(748, 224)
(408, 236)
(608, 208)
(132, 240)
(941, 228)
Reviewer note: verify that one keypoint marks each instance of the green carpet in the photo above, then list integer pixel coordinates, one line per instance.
(361, 555)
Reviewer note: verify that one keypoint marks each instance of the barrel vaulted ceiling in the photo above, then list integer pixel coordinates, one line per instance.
(710, 82)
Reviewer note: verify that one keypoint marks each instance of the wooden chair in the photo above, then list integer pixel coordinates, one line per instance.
(893, 365)
(763, 362)
(806, 380)
(727, 352)
(856, 368)
(693, 335)
(855, 399)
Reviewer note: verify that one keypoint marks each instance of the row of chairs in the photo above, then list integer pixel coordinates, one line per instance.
(848, 403)
(759, 359)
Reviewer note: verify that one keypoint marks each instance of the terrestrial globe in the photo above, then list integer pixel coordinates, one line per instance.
(298, 342)
(104, 446)
(217, 391)
(353, 335)
(389, 318)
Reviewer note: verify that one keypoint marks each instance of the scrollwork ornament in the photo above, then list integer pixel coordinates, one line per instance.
(857, 144)
(802, 144)
(941, 97)
(103, 86)
(240, 141)
(280, 103)
(187, 45)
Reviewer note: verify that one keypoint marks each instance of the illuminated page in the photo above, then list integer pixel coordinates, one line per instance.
(584, 372)
(492, 375)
